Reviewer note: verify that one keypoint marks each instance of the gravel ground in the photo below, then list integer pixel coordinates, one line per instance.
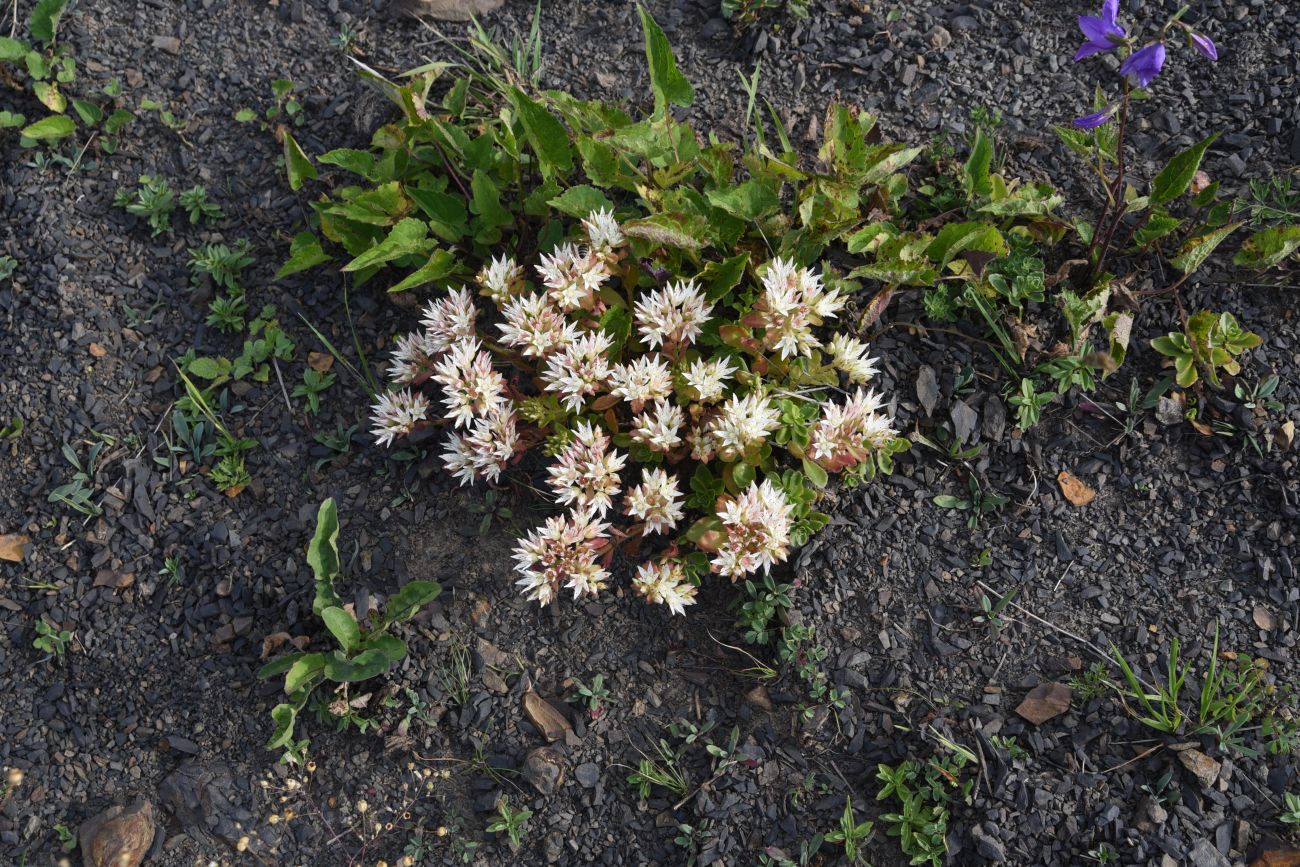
(156, 696)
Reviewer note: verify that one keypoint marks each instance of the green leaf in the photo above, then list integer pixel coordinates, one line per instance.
(296, 163)
(1198, 249)
(205, 367)
(392, 647)
(284, 716)
(303, 670)
(896, 157)
(546, 135)
(580, 201)
(815, 473)
(1174, 178)
(304, 252)
(1268, 248)
(448, 217)
(669, 85)
(948, 501)
(487, 201)
(323, 552)
(12, 50)
(975, 174)
(89, 113)
(670, 230)
(358, 162)
(44, 22)
(956, 237)
(617, 323)
(343, 626)
(441, 264)
(1159, 223)
(278, 666)
(413, 596)
(50, 128)
(408, 237)
(50, 96)
(245, 115)
(117, 120)
(748, 201)
(10, 120)
(719, 278)
(363, 666)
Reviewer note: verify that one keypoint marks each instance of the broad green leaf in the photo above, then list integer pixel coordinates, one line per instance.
(10, 120)
(487, 201)
(975, 174)
(323, 552)
(869, 236)
(390, 646)
(117, 120)
(580, 201)
(363, 666)
(895, 159)
(296, 163)
(448, 218)
(44, 22)
(956, 237)
(304, 252)
(1119, 327)
(207, 368)
(278, 666)
(358, 162)
(616, 322)
(1076, 140)
(284, 716)
(303, 670)
(1174, 178)
(1159, 223)
(89, 113)
(440, 265)
(408, 237)
(343, 626)
(719, 278)
(50, 96)
(1198, 249)
(897, 272)
(546, 135)
(667, 82)
(1269, 247)
(1026, 200)
(748, 201)
(12, 50)
(50, 128)
(413, 596)
(815, 473)
(669, 230)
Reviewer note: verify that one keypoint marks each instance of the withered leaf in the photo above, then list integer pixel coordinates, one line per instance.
(1076, 491)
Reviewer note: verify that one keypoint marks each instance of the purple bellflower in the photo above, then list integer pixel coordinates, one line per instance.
(1096, 119)
(1102, 32)
(1144, 64)
(1204, 44)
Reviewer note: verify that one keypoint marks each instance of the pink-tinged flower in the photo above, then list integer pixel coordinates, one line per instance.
(708, 379)
(645, 379)
(845, 434)
(396, 414)
(580, 370)
(469, 384)
(449, 319)
(757, 531)
(586, 472)
(665, 583)
(562, 553)
(483, 452)
(501, 279)
(534, 327)
(659, 429)
(1097, 118)
(413, 359)
(1143, 65)
(703, 446)
(1203, 44)
(792, 304)
(1101, 31)
(673, 315)
(603, 231)
(850, 355)
(656, 500)
(573, 276)
(742, 423)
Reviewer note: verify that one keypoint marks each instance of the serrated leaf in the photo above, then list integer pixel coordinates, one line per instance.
(1268, 248)
(669, 85)
(10, 120)
(44, 20)
(1194, 253)
(343, 626)
(546, 135)
(487, 201)
(580, 201)
(296, 163)
(719, 278)
(413, 596)
(1158, 224)
(895, 159)
(410, 236)
(50, 128)
(1175, 177)
(304, 252)
(206, 367)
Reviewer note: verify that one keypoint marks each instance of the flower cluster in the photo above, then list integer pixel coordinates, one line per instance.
(661, 390)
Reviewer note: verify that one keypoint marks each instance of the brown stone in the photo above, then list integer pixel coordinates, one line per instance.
(1045, 701)
(118, 837)
(1277, 855)
(544, 768)
(13, 547)
(1201, 766)
(759, 698)
(445, 10)
(549, 721)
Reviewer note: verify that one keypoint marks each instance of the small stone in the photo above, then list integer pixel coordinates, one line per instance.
(587, 774)
(1204, 854)
(13, 547)
(549, 721)
(170, 44)
(1045, 701)
(759, 698)
(544, 768)
(940, 38)
(1201, 766)
(989, 848)
(927, 388)
(118, 837)
(1264, 619)
(1277, 854)
(965, 22)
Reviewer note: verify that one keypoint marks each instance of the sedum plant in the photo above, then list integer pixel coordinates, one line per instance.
(365, 649)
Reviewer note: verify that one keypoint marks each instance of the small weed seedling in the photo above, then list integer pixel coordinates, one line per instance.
(50, 639)
(925, 795)
(1290, 814)
(13, 428)
(766, 601)
(1257, 396)
(511, 822)
(79, 493)
(1103, 854)
(8, 265)
(153, 200)
(1092, 683)
(222, 263)
(338, 441)
(594, 695)
(173, 569)
(67, 839)
(852, 834)
(978, 503)
(692, 838)
(314, 383)
(1029, 403)
(198, 207)
(455, 675)
(492, 510)
(1011, 746)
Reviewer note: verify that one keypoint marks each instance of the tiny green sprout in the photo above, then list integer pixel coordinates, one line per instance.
(50, 639)
(1029, 403)
(67, 838)
(1010, 745)
(314, 383)
(852, 834)
(1092, 683)
(8, 265)
(198, 207)
(1103, 854)
(13, 428)
(513, 823)
(595, 694)
(991, 611)
(173, 569)
(153, 200)
(492, 509)
(1290, 814)
(978, 503)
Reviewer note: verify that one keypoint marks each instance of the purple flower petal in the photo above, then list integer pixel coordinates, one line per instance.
(1205, 45)
(1088, 49)
(1096, 119)
(1095, 29)
(1109, 11)
(1144, 64)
